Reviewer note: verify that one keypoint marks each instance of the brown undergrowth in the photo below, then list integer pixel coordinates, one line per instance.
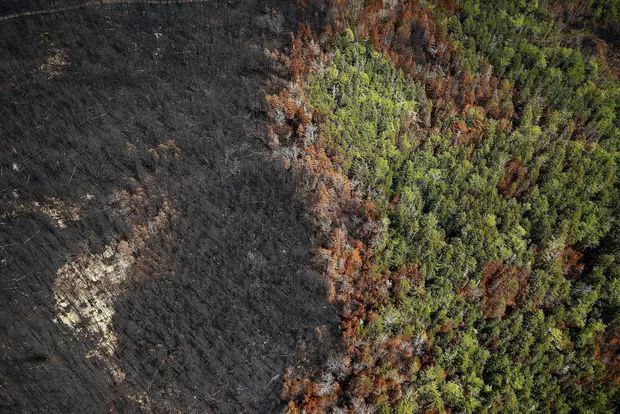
(503, 287)
(347, 229)
(609, 351)
(344, 222)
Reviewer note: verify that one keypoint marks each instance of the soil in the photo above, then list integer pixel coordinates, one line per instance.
(152, 256)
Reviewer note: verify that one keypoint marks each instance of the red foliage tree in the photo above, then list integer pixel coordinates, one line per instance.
(502, 286)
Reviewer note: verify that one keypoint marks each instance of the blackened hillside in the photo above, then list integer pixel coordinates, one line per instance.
(152, 258)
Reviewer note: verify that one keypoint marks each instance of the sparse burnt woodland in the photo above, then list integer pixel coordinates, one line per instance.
(152, 256)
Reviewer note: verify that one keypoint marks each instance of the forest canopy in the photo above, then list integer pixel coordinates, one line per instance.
(485, 135)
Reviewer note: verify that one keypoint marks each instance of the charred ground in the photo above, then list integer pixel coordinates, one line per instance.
(131, 140)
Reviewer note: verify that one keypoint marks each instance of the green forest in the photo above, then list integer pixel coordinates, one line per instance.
(486, 137)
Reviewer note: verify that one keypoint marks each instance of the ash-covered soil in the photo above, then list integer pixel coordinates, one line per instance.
(152, 257)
